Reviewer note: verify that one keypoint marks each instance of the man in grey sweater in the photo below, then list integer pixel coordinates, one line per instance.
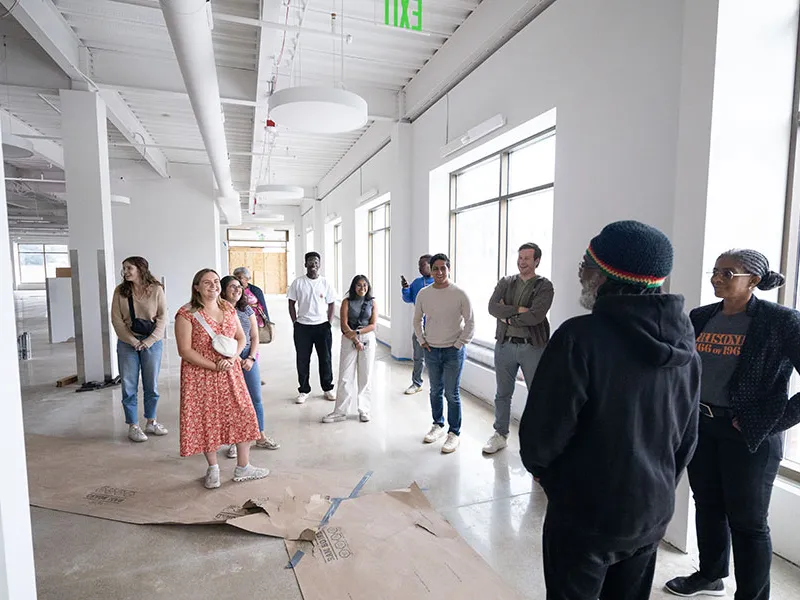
(520, 304)
(448, 327)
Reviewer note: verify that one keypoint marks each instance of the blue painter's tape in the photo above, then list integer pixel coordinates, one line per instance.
(361, 484)
(332, 509)
(295, 559)
(335, 502)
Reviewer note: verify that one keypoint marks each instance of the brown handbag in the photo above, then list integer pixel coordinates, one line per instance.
(266, 333)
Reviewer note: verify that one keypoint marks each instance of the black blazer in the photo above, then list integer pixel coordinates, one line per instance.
(759, 385)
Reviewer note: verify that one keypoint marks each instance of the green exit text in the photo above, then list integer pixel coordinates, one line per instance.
(398, 13)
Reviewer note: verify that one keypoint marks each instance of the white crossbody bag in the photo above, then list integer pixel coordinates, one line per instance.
(222, 344)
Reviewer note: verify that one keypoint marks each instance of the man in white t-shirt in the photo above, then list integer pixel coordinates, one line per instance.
(311, 300)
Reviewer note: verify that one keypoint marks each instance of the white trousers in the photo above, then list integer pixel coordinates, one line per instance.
(355, 374)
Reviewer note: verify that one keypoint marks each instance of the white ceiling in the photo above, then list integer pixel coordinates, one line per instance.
(125, 48)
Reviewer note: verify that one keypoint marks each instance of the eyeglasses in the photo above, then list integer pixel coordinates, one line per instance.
(727, 274)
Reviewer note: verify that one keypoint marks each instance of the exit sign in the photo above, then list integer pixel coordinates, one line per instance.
(399, 13)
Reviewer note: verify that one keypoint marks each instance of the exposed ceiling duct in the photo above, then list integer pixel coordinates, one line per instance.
(189, 26)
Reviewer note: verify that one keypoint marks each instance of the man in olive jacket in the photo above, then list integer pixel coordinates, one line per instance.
(520, 304)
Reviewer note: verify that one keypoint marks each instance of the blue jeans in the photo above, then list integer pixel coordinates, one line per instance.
(419, 356)
(252, 380)
(131, 361)
(444, 370)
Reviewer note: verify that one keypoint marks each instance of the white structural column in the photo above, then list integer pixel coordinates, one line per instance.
(17, 579)
(85, 135)
(402, 259)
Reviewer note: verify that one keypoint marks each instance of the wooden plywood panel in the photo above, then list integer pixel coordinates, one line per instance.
(268, 269)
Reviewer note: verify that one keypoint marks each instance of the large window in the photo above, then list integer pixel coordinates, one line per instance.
(497, 205)
(309, 240)
(379, 244)
(337, 259)
(39, 261)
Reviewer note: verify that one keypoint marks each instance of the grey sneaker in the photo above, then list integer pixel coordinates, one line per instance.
(495, 443)
(135, 433)
(334, 417)
(249, 472)
(232, 453)
(695, 585)
(212, 477)
(156, 428)
(268, 443)
(437, 432)
(451, 443)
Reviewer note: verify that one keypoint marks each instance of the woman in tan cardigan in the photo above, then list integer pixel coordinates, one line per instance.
(139, 316)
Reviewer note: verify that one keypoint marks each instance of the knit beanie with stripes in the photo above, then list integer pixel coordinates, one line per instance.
(633, 253)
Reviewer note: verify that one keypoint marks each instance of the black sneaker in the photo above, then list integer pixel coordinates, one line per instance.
(695, 585)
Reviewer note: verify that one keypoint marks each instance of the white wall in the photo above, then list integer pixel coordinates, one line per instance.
(173, 223)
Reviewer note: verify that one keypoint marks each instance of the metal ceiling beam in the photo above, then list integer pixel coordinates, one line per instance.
(485, 31)
(111, 69)
(45, 24)
(120, 114)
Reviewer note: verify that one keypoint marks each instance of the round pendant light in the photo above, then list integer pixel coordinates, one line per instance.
(274, 191)
(16, 147)
(318, 109)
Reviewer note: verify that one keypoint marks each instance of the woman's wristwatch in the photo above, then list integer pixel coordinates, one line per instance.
(253, 358)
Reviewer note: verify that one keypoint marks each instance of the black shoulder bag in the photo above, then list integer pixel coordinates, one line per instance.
(144, 327)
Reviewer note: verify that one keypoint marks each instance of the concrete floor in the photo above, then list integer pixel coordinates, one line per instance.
(490, 501)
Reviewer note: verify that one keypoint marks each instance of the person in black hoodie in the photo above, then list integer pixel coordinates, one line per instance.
(749, 349)
(611, 421)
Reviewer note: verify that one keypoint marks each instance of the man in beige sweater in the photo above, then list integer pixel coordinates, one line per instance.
(448, 328)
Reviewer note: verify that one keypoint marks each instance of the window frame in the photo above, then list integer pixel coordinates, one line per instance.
(337, 258)
(384, 306)
(43, 252)
(502, 199)
(789, 294)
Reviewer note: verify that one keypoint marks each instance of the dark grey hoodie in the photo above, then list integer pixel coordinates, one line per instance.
(611, 419)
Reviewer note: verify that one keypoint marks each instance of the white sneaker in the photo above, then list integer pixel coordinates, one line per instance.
(268, 443)
(334, 417)
(156, 428)
(413, 389)
(249, 472)
(135, 433)
(232, 452)
(451, 443)
(495, 443)
(364, 417)
(212, 477)
(301, 398)
(330, 395)
(437, 432)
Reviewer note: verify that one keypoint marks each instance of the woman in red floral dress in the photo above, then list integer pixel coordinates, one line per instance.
(215, 405)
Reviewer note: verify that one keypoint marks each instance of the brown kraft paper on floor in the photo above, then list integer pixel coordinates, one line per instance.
(393, 546)
(99, 478)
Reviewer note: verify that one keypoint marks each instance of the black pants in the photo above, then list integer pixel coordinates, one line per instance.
(575, 572)
(732, 490)
(307, 337)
